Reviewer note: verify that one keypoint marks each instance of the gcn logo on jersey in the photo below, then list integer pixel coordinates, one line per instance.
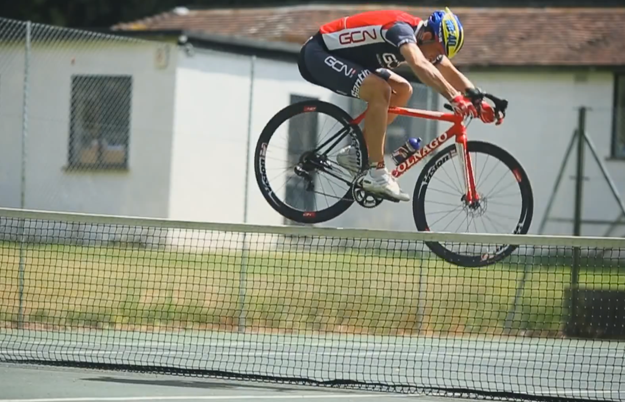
(357, 36)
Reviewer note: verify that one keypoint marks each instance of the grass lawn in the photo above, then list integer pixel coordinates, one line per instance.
(349, 291)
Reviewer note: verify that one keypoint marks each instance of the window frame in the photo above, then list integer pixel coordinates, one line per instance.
(619, 80)
(75, 147)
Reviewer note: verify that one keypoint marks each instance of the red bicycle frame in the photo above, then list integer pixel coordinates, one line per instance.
(457, 130)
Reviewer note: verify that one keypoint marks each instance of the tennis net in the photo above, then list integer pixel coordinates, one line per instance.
(329, 307)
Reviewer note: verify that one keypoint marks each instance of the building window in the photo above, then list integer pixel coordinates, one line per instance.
(618, 135)
(99, 121)
(404, 127)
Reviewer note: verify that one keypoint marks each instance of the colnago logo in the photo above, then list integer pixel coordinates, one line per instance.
(340, 66)
(361, 77)
(353, 37)
(420, 154)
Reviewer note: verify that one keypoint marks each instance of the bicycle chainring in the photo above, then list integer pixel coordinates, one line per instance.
(362, 196)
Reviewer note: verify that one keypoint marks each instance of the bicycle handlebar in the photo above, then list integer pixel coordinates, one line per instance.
(477, 96)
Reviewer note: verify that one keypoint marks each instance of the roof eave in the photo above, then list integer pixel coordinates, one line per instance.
(290, 51)
(235, 44)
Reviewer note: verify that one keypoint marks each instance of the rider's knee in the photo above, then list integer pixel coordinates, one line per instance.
(403, 89)
(375, 90)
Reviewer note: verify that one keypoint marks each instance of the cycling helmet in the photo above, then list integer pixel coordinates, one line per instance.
(448, 30)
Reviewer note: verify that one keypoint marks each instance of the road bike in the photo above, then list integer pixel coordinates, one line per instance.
(309, 158)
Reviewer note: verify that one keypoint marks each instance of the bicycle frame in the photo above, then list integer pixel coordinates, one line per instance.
(457, 131)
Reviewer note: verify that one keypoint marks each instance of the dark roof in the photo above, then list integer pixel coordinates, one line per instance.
(494, 36)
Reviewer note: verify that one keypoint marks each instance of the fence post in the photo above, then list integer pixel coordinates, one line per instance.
(242, 282)
(577, 223)
(22, 229)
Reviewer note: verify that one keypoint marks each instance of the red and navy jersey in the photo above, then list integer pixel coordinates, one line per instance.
(371, 39)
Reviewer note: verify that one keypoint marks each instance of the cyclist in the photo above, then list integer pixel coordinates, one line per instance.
(353, 56)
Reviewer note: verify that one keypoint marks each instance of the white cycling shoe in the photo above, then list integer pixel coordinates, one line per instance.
(378, 181)
(348, 160)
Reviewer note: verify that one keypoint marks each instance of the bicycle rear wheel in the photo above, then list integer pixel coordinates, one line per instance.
(295, 161)
(439, 202)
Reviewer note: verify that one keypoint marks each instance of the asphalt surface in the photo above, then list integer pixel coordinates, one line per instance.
(563, 368)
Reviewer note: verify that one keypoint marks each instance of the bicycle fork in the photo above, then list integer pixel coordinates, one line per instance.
(471, 196)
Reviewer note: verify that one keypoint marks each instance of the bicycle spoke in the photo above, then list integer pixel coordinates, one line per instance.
(491, 202)
(453, 210)
(460, 180)
(503, 216)
(497, 183)
(504, 196)
(446, 211)
(483, 169)
(338, 135)
(447, 203)
(453, 188)
(493, 222)
(466, 219)
(446, 192)
(512, 184)
(461, 211)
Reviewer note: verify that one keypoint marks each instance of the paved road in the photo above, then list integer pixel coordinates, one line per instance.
(566, 368)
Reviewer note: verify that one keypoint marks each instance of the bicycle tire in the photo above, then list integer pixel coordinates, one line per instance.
(306, 217)
(525, 217)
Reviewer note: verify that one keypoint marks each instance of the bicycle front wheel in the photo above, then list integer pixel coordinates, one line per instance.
(296, 163)
(505, 204)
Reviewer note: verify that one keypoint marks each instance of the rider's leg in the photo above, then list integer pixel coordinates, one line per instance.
(401, 91)
(377, 92)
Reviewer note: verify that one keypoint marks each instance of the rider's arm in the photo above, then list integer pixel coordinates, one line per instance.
(453, 76)
(402, 35)
(426, 72)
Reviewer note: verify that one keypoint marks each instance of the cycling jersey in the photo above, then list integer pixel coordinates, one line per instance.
(371, 39)
(345, 51)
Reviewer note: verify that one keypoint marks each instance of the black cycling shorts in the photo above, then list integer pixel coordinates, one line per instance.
(320, 67)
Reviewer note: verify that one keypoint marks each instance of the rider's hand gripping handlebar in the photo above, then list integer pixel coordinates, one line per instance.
(477, 96)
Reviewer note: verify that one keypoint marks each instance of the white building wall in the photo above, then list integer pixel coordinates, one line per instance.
(142, 189)
(542, 114)
(210, 133)
(11, 107)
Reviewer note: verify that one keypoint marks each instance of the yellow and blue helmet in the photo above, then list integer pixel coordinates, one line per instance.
(448, 31)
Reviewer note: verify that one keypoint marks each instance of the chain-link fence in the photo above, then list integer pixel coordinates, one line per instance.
(102, 123)
(72, 123)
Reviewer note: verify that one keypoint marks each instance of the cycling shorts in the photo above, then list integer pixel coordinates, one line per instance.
(320, 67)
